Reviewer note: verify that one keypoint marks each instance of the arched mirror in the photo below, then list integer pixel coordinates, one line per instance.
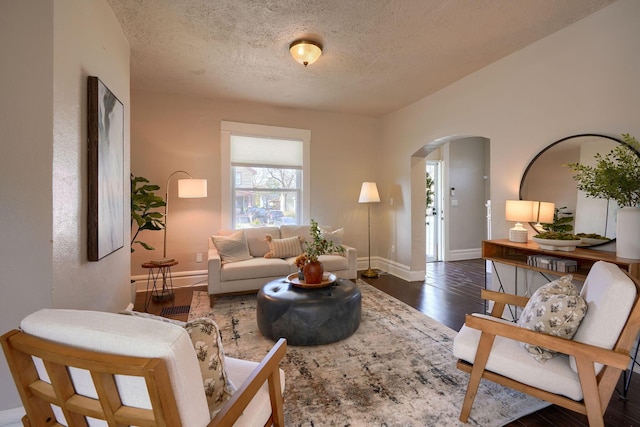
(547, 178)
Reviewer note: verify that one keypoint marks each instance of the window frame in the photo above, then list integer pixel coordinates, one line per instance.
(261, 131)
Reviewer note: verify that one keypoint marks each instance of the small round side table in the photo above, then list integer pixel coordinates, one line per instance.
(156, 270)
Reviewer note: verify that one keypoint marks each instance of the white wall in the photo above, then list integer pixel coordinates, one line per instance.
(48, 50)
(581, 79)
(171, 132)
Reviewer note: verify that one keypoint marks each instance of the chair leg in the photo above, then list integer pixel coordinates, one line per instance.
(590, 392)
(480, 361)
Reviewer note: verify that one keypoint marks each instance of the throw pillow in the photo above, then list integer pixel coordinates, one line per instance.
(283, 248)
(334, 237)
(207, 343)
(232, 248)
(554, 309)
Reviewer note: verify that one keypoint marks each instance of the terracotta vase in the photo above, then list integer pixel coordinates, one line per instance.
(313, 272)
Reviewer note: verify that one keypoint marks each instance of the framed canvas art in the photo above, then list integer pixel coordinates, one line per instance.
(105, 118)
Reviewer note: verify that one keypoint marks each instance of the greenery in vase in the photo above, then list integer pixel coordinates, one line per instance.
(615, 176)
(319, 245)
(561, 221)
(143, 201)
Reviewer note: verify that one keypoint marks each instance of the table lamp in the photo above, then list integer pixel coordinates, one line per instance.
(369, 194)
(543, 213)
(519, 211)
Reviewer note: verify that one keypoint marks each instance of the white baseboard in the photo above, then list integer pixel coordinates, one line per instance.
(464, 254)
(12, 417)
(179, 279)
(392, 267)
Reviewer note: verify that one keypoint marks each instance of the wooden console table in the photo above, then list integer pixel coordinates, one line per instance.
(506, 252)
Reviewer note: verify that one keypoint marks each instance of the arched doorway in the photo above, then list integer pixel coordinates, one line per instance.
(464, 180)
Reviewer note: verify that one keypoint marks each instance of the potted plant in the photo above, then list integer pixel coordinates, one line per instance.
(616, 176)
(143, 201)
(313, 269)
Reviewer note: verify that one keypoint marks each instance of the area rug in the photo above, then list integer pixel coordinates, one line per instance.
(396, 370)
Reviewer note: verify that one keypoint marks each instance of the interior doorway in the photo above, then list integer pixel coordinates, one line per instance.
(434, 215)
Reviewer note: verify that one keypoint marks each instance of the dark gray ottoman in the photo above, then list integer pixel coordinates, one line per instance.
(309, 316)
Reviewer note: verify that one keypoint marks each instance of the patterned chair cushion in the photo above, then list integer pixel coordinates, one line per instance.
(554, 309)
(205, 337)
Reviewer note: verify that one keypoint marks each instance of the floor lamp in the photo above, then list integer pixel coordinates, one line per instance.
(187, 189)
(369, 194)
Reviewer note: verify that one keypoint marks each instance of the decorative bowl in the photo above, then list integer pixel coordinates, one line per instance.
(557, 245)
(327, 279)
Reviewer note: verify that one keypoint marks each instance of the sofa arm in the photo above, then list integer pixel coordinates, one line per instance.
(214, 265)
(352, 259)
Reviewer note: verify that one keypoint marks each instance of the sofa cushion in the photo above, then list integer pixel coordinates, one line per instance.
(206, 341)
(334, 237)
(255, 239)
(610, 295)
(283, 248)
(255, 268)
(232, 248)
(554, 309)
(332, 262)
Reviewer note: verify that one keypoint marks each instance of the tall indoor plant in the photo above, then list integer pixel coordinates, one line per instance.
(143, 203)
(313, 269)
(616, 176)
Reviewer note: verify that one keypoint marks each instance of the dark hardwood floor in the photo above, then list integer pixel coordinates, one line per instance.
(449, 292)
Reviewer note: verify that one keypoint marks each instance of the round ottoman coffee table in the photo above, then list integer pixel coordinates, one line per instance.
(309, 316)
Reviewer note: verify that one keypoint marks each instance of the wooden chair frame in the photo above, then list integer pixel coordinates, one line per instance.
(37, 395)
(597, 389)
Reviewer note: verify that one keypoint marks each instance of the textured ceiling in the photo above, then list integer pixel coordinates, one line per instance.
(378, 55)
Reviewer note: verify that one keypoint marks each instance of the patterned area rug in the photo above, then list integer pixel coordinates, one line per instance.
(396, 370)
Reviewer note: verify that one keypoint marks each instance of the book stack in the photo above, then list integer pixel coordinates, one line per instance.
(553, 263)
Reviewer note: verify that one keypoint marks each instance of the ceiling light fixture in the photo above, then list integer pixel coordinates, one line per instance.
(305, 51)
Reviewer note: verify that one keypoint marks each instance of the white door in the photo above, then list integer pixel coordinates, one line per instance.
(434, 215)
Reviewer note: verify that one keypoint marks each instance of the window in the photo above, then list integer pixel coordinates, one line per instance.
(270, 175)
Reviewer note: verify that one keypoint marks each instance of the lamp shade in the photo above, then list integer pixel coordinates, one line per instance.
(543, 212)
(519, 211)
(369, 193)
(305, 51)
(192, 188)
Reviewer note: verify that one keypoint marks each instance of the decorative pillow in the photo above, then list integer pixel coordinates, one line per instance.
(232, 248)
(207, 343)
(283, 248)
(334, 237)
(554, 309)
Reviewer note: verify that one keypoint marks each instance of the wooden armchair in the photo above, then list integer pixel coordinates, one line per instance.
(79, 367)
(582, 378)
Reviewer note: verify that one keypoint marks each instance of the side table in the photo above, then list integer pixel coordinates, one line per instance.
(157, 270)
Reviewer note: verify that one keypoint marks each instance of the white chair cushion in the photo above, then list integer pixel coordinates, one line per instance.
(130, 336)
(507, 358)
(259, 410)
(609, 295)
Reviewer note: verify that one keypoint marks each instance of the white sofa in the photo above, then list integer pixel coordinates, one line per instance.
(252, 274)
